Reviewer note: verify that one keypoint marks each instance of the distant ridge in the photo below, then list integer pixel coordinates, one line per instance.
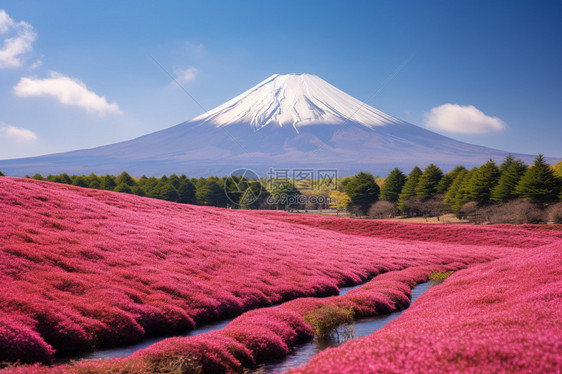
(286, 121)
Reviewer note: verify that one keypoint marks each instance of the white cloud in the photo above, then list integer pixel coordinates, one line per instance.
(36, 64)
(6, 23)
(462, 120)
(67, 91)
(186, 75)
(18, 134)
(18, 41)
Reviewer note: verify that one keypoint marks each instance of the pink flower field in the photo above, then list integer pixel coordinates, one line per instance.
(504, 316)
(83, 269)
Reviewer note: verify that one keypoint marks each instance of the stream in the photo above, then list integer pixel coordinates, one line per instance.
(130, 349)
(301, 354)
(298, 356)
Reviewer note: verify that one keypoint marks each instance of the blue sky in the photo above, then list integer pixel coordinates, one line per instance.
(80, 74)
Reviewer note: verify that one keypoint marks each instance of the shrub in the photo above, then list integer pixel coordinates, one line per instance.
(326, 320)
(472, 211)
(439, 276)
(383, 209)
(515, 212)
(555, 213)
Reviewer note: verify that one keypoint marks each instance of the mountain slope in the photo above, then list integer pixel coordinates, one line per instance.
(286, 121)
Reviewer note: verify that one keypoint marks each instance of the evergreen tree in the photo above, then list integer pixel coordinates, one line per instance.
(211, 193)
(507, 163)
(447, 180)
(174, 180)
(427, 184)
(286, 195)
(235, 187)
(138, 190)
(150, 186)
(80, 181)
(483, 180)
(363, 191)
(65, 178)
(108, 183)
(58, 179)
(94, 181)
(254, 196)
(539, 183)
(168, 192)
(393, 185)
(186, 192)
(38, 177)
(451, 195)
(510, 176)
(125, 178)
(123, 188)
(463, 195)
(409, 189)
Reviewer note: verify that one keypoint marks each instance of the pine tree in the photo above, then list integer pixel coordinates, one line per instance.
(409, 189)
(539, 183)
(451, 193)
(108, 182)
(66, 178)
(174, 180)
(428, 182)
(505, 189)
(448, 179)
(123, 188)
(507, 163)
(463, 193)
(484, 179)
(80, 181)
(150, 186)
(363, 191)
(186, 192)
(253, 196)
(94, 181)
(211, 193)
(125, 178)
(138, 190)
(168, 192)
(393, 185)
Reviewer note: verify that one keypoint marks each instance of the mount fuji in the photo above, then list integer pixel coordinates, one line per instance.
(286, 121)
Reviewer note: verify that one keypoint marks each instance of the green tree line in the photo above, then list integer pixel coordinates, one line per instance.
(432, 192)
(428, 192)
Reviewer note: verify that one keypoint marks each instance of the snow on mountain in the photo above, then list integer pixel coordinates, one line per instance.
(286, 121)
(295, 100)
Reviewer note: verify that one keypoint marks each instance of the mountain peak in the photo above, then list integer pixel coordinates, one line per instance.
(295, 100)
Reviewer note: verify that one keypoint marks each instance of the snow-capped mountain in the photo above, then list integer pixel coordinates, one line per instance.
(295, 100)
(286, 121)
